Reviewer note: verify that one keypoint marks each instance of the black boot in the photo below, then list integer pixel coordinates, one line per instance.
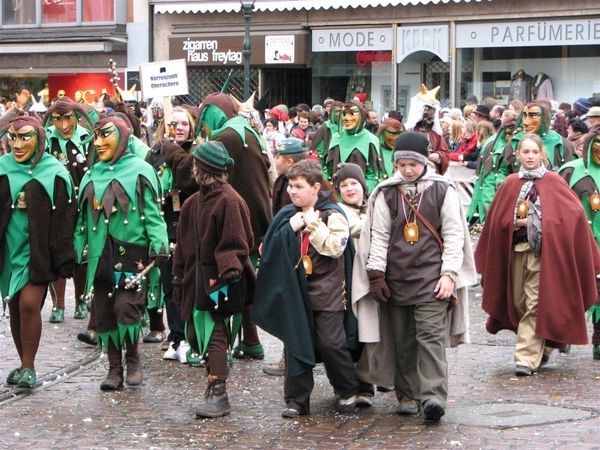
(114, 379)
(216, 402)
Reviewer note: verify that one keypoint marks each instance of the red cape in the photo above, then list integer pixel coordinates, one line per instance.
(569, 262)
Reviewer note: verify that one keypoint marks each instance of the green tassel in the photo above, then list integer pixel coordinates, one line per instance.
(154, 295)
(106, 337)
(233, 323)
(204, 326)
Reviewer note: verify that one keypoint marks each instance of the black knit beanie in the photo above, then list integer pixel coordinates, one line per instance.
(412, 145)
(349, 170)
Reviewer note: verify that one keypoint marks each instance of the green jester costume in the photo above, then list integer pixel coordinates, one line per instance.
(354, 144)
(121, 229)
(491, 171)
(535, 118)
(37, 215)
(583, 176)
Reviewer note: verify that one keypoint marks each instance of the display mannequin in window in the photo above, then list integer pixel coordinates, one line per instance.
(542, 87)
(520, 87)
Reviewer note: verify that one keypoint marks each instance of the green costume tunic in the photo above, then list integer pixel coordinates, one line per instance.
(387, 154)
(15, 273)
(491, 172)
(361, 148)
(120, 203)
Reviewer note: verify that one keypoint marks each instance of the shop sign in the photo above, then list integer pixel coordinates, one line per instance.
(164, 78)
(352, 39)
(279, 49)
(528, 34)
(216, 51)
(376, 58)
(430, 38)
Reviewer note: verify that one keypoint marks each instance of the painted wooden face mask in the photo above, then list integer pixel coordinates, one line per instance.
(65, 123)
(23, 143)
(351, 119)
(107, 141)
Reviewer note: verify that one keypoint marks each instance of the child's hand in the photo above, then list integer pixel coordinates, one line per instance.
(444, 287)
(297, 222)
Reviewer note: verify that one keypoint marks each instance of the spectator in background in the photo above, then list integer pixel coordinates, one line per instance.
(482, 112)
(471, 100)
(272, 134)
(468, 111)
(468, 142)
(576, 132)
(455, 135)
(496, 116)
(517, 106)
(372, 122)
(594, 116)
(484, 131)
(489, 102)
(328, 104)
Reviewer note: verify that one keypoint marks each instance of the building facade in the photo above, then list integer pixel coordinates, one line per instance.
(48, 46)
(503, 49)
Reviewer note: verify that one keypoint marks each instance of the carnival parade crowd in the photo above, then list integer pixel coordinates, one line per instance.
(341, 235)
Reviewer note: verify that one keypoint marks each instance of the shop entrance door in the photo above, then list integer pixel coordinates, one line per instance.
(287, 86)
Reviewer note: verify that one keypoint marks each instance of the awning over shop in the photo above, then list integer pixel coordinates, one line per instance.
(178, 7)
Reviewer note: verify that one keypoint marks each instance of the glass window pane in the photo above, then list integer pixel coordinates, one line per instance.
(98, 10)
(18, 12)
(59, 11)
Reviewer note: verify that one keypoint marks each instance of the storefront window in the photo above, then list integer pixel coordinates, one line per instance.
(59, 11)
(98, 10)
(555, 73)
(341, 75)
(18, 12)
(422, 68)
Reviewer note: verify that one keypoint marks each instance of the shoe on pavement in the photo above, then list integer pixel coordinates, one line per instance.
(596, 351)
(182, 352)
(165, 345)
(277, 369)
(565, 349)
(523, 371)
(154, 337)
(27, 378)
(13, 376)
(114, 378)
(433, 410)
(363, 401)
(290, 413)
(346, 405)
(57, 315)
(241, 351)
(135, 373)
(407, 408)
(216, 401)
(88, 337)
(81, 310)
(171, 353)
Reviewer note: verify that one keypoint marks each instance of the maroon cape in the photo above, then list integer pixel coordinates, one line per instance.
(569, 262)
(438, 145)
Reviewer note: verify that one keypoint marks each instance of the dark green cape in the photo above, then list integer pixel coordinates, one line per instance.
(281, 303)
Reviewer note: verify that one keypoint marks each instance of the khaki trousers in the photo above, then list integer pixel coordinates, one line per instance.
(526, 283)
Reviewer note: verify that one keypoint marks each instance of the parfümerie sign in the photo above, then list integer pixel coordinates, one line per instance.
(164, 78)
(528, 34)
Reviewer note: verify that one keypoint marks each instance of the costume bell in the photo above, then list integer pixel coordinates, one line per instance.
(121, 225)
(37, 216)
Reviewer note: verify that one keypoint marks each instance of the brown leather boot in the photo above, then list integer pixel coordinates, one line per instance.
(216, 402)
(135, 374)
(114, 379)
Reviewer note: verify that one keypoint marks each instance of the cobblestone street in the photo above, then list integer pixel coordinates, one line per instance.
(487, 407)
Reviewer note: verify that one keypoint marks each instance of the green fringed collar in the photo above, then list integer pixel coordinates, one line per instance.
(45, 172)
(81, 137)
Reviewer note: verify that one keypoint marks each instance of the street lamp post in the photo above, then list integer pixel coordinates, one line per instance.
(247, 7)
